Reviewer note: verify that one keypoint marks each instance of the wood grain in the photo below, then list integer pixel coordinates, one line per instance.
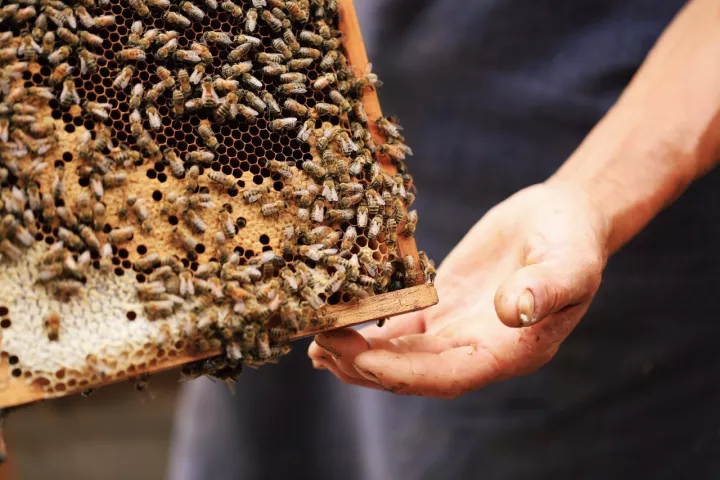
(357, 57)
(16, 391)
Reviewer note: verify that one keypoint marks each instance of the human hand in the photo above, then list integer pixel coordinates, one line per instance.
(533, 261)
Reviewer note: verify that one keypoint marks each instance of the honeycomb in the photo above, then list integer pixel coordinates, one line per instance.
(156, 202)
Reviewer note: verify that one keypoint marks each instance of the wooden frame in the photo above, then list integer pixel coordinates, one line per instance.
(15, 392)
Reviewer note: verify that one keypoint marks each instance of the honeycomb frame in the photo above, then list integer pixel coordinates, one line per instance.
(248, 166)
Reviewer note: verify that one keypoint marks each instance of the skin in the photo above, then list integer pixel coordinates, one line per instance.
(523, 277)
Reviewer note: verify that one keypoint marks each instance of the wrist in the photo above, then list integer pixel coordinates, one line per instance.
(633, 164)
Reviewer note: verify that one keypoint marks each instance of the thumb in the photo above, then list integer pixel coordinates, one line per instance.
(534, 292)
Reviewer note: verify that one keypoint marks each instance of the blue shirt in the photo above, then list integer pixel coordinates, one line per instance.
(494, 95)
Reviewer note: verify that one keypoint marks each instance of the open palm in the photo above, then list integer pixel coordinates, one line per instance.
(534, 261)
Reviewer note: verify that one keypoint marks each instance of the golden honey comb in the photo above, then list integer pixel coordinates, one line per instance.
(106, 332)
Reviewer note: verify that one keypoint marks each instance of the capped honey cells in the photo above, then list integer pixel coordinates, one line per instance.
(183, 176)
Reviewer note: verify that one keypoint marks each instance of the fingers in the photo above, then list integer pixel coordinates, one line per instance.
(536, 291)
(325, 363)
(401, 325)
(445, 375)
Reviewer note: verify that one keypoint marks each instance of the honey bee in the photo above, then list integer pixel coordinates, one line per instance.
(59, 55)
(273, 208)
(299, 63)
(225, 85)
(309, 55)
(85, 18)
(136, 95)
(130, 55)
(60, 73)
(311, 38)
(178, 102)
(188, 56)
(88, 236)
(254, 194)
(362, 216)
(185, 240)
(8, 54)
(292, 89)
(313, 169)
(123, 78)
(98, 110)
(103, 21)
(176, 165)
(340, 100)
(328, 60)
(25, 14)
(48, 208)
(64, 289)
(283, 124)
(411, 223)
(272, 21)
(194, 221)
(90, 38)
(323, 108)
(255, 102)
(281, 47)
(164, 37)
(217, 38)
(341, 215)
(159, 308)
(202, 157)
(311, 297)
(251, 82)
(305, 131)
(356, 291)
(254, 41)
(163, 4)
(234, 10)
(396, 151)
(88, 61)
(177, 19)
(235, 70)
(69, 94)
(272, 105)
(68, 37)
(240, 53)
(291, 40)
(192, 11)
(71, 240)
(168, 49)
(183, 78)
(208, 136)
(153, 117)
(145, 142)
(324, 81)
(274, 69)
(140, 7)
(427, 266)
(359, 111)
(367, 79)
(251, 20)
(296, 108)
(153, 95)
(121, 235)
(226, 181)
(227, 109)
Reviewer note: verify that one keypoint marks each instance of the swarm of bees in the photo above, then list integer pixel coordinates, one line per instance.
(233, 77)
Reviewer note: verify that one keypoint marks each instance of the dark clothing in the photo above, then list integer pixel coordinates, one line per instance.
(494, 95)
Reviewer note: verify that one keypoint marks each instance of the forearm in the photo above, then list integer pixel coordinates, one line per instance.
(663, 132)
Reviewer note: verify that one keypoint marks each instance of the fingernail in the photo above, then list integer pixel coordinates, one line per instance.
(526, 308)
(332, 352)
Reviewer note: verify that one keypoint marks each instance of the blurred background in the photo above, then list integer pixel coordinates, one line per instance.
(117, 433)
